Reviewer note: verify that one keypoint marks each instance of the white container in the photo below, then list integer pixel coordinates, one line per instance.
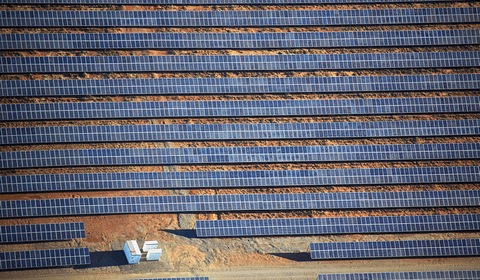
(154, 254)
(132, 252)
(149, 245)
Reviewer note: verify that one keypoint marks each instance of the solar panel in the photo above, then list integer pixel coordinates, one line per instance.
(44, 258)
(233, 202)
(179, 86)
(342, 225)
(238, 18)
(411, 275)
(188, 63)
(41, 232)
(237, 155)
(243, 108)
(282, 40)
(236, 179)
(236, 131)
(395, 249)
(210, 2)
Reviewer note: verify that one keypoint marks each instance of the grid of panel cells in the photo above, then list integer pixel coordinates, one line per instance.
(267, 40)
(41, 232)
(296, 62)
(410, 275)
(238, 18)
(257, 85)
(236, 131)
(211, 2)
(244, 108)
(395, 249)
(232, 155)
(342, 225)
(44, 258)
(238, 179)
(232, 202)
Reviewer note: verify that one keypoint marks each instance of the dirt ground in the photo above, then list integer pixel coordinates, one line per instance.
(233, 258)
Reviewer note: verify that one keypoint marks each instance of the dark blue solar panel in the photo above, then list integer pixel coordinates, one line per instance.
(237, 155)
(235, 179)
(44, 258)
(244, 108)
(202, 40)
(63, 64)
(411, 275)
(211, 2)
(342, 225)
(231, 202)
(237, 18)
(237, 131)
(41, 232)
(395, 249)
(178, 86)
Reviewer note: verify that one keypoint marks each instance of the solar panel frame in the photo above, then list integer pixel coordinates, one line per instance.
(41, 232)
(232, 203)
(338, 225)
(210, 86)
(395, 249)
(220, 63)
(236, 131)
(44, 258)
(419, 275)
(235, 108)
(238, 179)
(269, 40)
(255, 18)
(238, 155)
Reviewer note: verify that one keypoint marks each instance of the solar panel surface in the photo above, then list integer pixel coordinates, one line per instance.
(342, 225)
(395, 249)
(41, 232)
(231, 202)
(238, 179)
(268, 40)
(411, 275)
(44, 258)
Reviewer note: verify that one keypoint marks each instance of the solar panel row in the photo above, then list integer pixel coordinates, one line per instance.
(237, 155)
(64, 64)
(395, 249)
(44, 258)
(180, 86)
(238, 179)
(41, 232)
(342, 225)
(238, 18)
(211, 2)
(283, 40)
(231, 202)
(236, 131)
(244, 108)
(418, 275)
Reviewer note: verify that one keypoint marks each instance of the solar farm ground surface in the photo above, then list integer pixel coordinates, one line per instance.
(235, 258)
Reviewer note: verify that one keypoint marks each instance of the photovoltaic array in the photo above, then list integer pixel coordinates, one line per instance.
(420, 275)
(282, 40)
(236, 131)
(44, 258)
(238, 18)
(239, 155)
(395, 249)
(342, 225)
(238, 179)
(244, 108)
(234, 202)
(63, 64)
(211, 2)
(211, 86)
(41, 232)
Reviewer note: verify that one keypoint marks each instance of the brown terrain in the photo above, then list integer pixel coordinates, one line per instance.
(232, 258)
